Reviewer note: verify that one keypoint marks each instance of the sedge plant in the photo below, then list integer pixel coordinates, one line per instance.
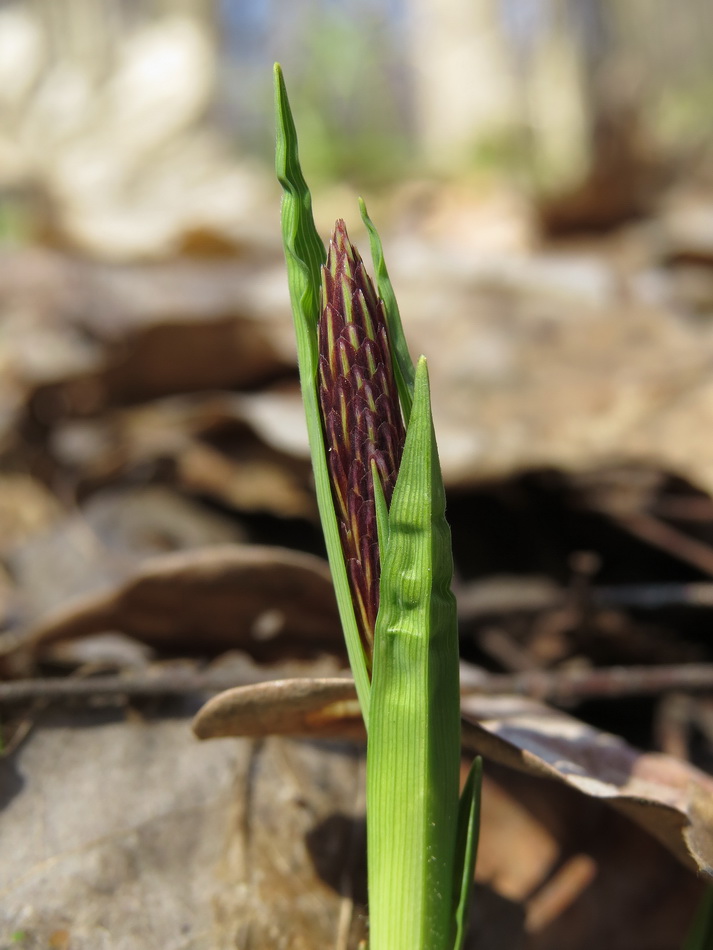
(382, 506)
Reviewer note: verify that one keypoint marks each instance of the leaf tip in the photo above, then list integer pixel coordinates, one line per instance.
(279, 81)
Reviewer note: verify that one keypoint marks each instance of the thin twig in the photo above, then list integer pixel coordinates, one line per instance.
(564, 685)
(497, 596)
(133, 685)
(669, 539)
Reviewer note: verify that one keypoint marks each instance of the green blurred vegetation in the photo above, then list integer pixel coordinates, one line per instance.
(345, 85)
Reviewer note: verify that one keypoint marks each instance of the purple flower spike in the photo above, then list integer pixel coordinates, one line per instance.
(361, 415)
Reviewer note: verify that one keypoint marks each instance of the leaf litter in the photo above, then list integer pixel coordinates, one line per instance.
(570, 389)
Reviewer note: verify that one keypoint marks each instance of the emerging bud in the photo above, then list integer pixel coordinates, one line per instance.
(361, 414)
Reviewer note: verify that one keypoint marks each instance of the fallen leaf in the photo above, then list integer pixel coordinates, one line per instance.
(269, 601)
(671, 799)
(315, 708)
(103, 543)
(555, 858)
(175, 354)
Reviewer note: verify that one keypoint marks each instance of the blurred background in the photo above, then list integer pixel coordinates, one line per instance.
(160, 113)
(541, 172)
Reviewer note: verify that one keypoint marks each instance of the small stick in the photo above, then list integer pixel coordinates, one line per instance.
(559, 686)
(559, 892)
(566, 685)
(530, 596)
(668, 539)
(133, 685)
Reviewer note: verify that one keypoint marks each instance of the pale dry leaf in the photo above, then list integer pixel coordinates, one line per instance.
(315, 708)
(557, 858)
(270, 601)
(671, 799)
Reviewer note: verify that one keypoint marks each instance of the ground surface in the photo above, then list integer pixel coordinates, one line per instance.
(157, 521)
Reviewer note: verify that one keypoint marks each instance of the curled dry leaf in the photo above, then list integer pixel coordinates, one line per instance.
(173, 355)
(292, 707)
(551, 859)
(269, 601)
(83, 338)
(671, 799)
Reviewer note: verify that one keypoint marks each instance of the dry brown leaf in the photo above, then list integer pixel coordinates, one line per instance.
(82, 337)
(259, 481)
(102, 543)
(172, 354)
(293, 707)
(555, 858)
(672, 800)
(268, 600)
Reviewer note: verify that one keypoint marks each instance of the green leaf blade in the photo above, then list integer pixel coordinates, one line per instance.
(304, 249)
(404, 369)
(414, 739)
(467, 847)
(305, 255)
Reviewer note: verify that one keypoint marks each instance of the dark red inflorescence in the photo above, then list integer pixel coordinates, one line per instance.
(361, 414)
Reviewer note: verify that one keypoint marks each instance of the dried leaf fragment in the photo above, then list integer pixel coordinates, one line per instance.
(672, 800)
(270, 601)
(315, 708)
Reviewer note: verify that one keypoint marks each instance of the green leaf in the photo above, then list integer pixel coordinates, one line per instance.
(413, 752)
(467, 847)
(701, 933)
(403, 364)
(305, 256)
(304, 250)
